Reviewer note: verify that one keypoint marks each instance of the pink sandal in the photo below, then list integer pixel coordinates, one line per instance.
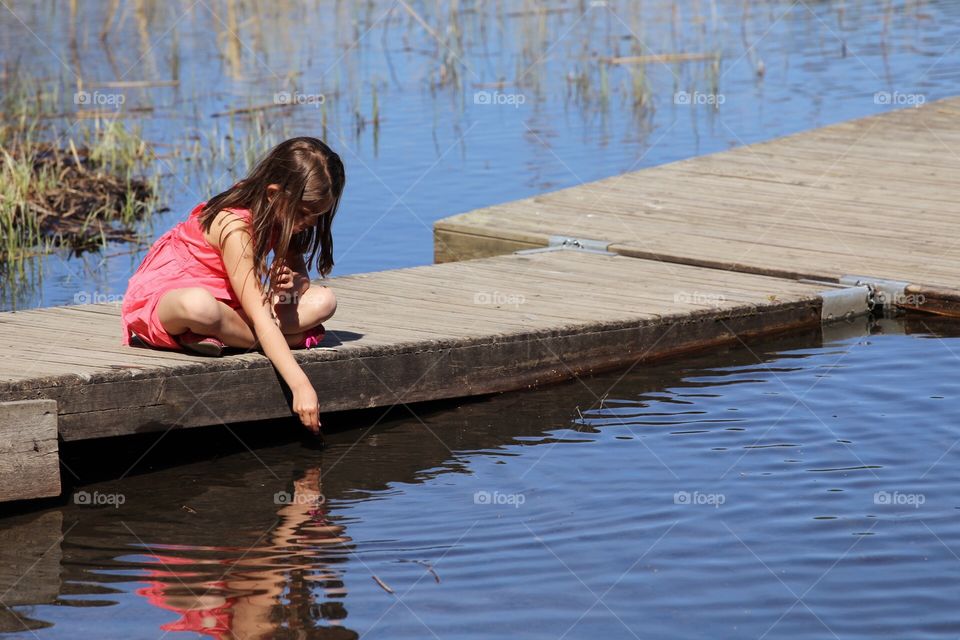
(314, 336)
(203, 345)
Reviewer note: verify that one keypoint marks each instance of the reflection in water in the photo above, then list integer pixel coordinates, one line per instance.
(266, 591)
(30, 563)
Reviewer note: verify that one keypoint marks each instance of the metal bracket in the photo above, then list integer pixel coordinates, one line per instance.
(845, 303)
(885, 293)
(557, 243)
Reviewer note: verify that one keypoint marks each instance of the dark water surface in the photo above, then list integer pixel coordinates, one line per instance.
(796, 489)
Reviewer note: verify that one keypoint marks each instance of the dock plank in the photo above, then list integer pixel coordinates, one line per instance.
(875, 196)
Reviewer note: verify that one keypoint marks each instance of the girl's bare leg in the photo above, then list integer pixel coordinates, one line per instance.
(195, 309)
(316, 304)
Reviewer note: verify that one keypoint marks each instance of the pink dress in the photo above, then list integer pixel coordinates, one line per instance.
(181, 257)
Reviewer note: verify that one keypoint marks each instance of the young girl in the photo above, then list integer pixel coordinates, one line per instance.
(206, 284)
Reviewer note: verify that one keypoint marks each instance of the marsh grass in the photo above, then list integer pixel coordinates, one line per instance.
(78, 190)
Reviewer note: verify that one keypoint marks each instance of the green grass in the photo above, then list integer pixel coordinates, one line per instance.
(74, 191)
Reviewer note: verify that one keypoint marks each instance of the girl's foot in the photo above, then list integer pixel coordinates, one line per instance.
(313, 337)
(203, 345)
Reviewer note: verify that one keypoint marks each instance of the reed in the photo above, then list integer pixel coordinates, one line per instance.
(77, 192)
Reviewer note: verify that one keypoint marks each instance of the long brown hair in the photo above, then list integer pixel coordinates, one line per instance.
(306, 170)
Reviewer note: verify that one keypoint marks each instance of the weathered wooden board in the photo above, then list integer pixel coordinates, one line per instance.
(876, 197)
(29, 454)
(406, 335)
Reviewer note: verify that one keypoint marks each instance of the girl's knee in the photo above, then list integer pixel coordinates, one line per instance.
(321, 302)
(317, 305)
(328, 302)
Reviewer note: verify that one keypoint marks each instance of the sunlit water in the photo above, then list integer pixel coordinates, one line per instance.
(797, 489)
(404, 105)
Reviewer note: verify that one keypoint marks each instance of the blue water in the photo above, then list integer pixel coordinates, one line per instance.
(438, 149)
(795, 489)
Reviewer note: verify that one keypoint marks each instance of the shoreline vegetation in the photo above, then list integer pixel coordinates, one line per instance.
(79, 191)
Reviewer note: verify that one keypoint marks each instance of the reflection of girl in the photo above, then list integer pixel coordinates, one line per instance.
(303, 527)
(205, 613)
(244, 603)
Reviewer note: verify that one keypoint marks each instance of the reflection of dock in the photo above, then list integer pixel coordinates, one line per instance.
(30, 557)
(678, 258)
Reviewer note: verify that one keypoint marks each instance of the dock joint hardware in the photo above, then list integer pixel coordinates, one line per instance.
(846, 302)
(557, 243)
(857, 295)
(883, 293)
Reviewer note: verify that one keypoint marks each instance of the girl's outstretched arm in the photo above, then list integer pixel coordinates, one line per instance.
(236, 248)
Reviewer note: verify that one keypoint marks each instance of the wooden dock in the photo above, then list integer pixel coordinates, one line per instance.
(401, 336)
(875, 197)
(717, 250)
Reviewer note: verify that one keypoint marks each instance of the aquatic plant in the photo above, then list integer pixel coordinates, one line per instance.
(78, 188)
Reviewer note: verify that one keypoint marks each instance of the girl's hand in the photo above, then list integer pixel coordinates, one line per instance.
(307, 406)
(286, 278)
(300, 283)
(293, 283)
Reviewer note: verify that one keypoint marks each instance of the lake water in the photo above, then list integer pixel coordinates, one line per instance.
(800, 488)
(439, 108)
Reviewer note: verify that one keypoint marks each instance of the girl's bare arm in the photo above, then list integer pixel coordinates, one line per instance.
(236, 248)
